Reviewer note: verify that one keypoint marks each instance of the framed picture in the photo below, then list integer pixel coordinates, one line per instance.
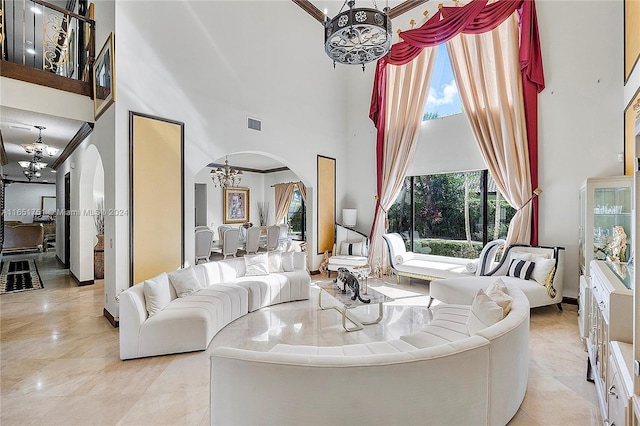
(48, 205)
(236, 205)
(104, 90)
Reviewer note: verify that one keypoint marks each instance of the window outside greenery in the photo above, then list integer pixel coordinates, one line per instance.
(445, 212)
(295, 217)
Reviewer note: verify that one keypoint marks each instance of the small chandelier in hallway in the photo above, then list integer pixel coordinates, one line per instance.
(226, 177)
(32, 169)
(357, 36)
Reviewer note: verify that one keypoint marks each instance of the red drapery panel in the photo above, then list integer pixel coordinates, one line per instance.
(474, 18)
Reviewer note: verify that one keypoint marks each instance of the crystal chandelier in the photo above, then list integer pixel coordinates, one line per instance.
(32, 169)
(357, 36)
(226, 177)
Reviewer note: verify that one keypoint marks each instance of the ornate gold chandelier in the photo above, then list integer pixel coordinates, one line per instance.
(226, 177)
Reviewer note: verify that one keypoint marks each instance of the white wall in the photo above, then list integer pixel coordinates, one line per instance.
(223, 77)
(23, 200)
(580, 122)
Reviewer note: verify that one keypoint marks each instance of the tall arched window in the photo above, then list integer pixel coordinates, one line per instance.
(443, 99)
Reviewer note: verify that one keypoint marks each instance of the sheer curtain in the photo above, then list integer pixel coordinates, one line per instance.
(407, 88)
(487, 70)
(303, 190)
(476, 17)
(283, 193)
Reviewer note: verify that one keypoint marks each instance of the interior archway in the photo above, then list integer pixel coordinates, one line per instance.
(260, 172)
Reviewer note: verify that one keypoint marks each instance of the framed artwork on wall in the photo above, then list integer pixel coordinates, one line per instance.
(104, 90)
(236, 205)
(48, 205)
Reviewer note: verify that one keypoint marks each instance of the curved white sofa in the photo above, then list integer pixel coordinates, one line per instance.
(439, 376)
(189, 323)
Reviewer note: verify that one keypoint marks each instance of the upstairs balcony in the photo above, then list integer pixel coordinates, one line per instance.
(47, 44)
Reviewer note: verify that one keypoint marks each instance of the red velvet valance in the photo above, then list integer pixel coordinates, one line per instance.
(474, 18)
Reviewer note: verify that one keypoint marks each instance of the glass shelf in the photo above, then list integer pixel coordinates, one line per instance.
(623, 272)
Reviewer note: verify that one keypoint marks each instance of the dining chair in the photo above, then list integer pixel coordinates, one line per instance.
(204, 238)
(273, 232)
(221, 230)
(283, 237)
(230, 242)
(200, 227)
(253, 240)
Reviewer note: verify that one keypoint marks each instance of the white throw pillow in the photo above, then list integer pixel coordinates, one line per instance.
(287, 261)
(275, 261)
(484, 313)
(520, 255)
(404, 257)
(184, 281)
(157, 294)
(498, 293)
(256, 264)
(497, 285)
(351, 249)
(542, 269)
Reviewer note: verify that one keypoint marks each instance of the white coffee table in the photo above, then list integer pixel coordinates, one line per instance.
(346, 304)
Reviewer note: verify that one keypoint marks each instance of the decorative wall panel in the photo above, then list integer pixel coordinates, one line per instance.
(631, 36)
(326, 203)
(156, 196)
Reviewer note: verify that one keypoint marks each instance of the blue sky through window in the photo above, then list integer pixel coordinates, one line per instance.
(443, 98)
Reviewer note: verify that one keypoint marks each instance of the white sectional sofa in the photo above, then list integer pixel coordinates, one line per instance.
(442, 375)
(154, 320)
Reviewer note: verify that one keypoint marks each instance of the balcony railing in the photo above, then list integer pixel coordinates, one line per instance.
(50, 41)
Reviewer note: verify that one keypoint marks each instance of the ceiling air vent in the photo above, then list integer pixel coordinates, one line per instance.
(254, 124)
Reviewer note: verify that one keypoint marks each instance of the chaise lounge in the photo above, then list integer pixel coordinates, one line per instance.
(432, 267)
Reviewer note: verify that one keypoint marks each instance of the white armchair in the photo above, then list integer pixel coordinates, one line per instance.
(351, 249)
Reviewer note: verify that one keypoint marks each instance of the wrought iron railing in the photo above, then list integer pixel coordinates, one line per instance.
(47, 37)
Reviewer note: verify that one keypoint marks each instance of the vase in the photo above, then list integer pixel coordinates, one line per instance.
(98, 258)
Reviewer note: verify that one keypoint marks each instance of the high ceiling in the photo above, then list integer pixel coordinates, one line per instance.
(17, 127)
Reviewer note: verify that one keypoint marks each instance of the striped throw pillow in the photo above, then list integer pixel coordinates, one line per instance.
(521, 269)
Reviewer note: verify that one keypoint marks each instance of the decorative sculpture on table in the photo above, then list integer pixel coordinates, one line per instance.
(618, 245)
(346, 279)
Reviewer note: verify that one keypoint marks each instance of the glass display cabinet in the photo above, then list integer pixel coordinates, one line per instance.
(606, 203)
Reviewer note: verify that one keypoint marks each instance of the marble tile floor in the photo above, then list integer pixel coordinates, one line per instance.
(59, 359)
